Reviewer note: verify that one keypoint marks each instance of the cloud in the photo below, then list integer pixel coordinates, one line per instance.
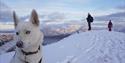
(119, 16)
(121, 7)
(116, 13)
(72, 8)
(5, 13)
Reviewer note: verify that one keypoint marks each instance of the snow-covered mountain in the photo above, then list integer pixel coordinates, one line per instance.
(87, 47)
(5, 13)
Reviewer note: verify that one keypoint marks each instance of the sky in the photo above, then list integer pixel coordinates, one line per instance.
(70, 7)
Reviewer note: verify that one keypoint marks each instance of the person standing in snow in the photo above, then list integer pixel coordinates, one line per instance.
(110, 25)
(89, 20)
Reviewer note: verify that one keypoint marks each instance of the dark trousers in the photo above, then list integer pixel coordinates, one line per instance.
(89, 25)
(110, 29)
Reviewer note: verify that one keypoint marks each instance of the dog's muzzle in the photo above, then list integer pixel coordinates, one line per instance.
(19, 44)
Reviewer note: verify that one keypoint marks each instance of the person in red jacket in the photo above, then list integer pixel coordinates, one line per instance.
(110, 25)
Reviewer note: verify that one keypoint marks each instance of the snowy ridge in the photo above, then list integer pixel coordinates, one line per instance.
(87, 47)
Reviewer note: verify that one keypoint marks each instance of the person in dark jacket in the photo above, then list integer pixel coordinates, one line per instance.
(89, 20)
(110, 25)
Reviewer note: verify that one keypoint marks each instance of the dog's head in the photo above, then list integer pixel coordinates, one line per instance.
(27, 33)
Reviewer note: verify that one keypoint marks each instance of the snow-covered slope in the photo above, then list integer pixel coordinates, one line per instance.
(87, 47)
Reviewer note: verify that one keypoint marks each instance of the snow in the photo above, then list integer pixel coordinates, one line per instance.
(7, 46)
(6, 58)
(87, 47)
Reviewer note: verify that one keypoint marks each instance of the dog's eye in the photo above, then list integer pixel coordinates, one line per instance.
(28, 32)
(17, 33)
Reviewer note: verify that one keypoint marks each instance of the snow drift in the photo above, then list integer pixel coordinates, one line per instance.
(87, 47)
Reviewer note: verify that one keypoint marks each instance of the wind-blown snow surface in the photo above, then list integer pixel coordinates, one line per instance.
(87, 47)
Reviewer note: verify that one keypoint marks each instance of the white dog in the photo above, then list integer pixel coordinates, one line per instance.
(29, 40)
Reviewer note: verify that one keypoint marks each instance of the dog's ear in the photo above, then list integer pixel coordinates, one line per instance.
(34, 18)
(15, 18)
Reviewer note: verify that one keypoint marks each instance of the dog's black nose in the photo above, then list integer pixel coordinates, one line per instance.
(19, 44)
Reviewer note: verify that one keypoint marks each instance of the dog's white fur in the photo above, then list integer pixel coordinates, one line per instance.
(31, 41)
